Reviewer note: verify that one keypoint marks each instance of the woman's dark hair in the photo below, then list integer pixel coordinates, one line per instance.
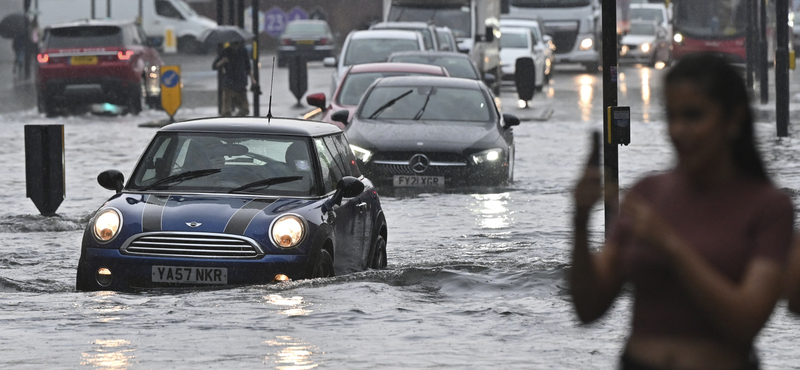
(723, 84)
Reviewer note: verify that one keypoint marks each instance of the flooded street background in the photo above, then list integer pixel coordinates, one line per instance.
(475, 281)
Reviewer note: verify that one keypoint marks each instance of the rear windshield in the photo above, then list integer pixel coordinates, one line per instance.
(304, 28)
(361, 51)
(456, 67)
(84, 37)
(514, 40)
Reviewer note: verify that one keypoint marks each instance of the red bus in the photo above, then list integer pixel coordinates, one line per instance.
(718, 26)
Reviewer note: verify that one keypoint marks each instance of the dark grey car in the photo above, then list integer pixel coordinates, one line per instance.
(431, 132)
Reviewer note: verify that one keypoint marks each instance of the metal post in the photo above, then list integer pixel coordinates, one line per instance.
(763, 73)
(93, 10)
(108, 9)
(256, 67)
(610, 150)
(139, 20)
(220, 12)
(782, 67)
(751, 42)
(240, 14)
(231, 12)
(220, 21)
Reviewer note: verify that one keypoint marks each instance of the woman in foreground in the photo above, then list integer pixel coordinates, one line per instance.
(702, 244)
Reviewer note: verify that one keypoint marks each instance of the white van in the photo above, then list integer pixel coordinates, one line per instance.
(157, 17)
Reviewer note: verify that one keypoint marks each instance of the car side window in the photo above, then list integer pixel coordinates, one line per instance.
(331, 174)
(343, 147)
(165, 9)
(338, 155)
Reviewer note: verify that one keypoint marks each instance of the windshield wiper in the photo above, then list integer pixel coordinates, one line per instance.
(422, 110)
(389, 104)
(266, 182)
(176, 178)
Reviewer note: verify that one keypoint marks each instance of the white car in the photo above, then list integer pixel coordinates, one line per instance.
(518, 42)
(652, 12)
(646, 42)
(543, 43)
(372, 46)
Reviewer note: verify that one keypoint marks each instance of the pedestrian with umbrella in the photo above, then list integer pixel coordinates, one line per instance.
(16, 26)
(233, 64)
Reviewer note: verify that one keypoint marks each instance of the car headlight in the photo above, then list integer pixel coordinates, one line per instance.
(288, 231)
(645, 47)
(106, 225)
(587, 43)
(361, 154)
(678, 38)
(491, 155)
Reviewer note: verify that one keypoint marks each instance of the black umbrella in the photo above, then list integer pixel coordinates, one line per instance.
(14, 25)
(223, 34)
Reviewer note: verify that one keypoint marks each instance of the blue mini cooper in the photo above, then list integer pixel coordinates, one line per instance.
(229, 201)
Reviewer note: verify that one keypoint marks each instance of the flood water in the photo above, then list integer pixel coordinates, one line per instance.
(475, 281)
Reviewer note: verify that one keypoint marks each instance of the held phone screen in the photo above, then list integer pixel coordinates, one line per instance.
(594, 157)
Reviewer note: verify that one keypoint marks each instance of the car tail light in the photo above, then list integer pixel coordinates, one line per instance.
(287, 42)
(43, 58)
(323, 41)
(124, 55)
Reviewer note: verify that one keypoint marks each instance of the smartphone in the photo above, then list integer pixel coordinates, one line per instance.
(594, 156)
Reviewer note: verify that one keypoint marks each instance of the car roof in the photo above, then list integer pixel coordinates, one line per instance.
(93, 22)
(648, 6)
(254, 125)
(460, 83)
(385, 34)
(430, 54)
(409, 25)
(517, 21)
(395, 67)
(513, 29)
(311, 21)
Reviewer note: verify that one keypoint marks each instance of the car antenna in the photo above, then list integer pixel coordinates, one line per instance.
(271, 82)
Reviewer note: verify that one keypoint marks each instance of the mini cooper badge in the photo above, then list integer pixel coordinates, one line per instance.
(193, 224)
(419, 163)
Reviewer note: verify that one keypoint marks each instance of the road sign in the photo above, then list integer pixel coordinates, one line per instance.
(295, 14)
(171, 89)
(274, 21)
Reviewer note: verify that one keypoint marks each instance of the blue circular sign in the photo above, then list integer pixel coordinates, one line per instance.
(274, 21)
(170, 78)
(295, 14)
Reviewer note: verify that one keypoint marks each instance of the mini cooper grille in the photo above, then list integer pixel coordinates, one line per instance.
(186, 245)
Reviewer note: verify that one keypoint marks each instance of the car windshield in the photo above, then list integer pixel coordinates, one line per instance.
(647, 14)
(360, 51)
(513, 40)
(258, 164)
(427, 103)
(305, 28)
(550, 3)
(355, 84)
(84, 37)
(455, 66)
(457, 18)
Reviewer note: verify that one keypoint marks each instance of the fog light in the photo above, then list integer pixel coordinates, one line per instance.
(104, 277)
(281, 278)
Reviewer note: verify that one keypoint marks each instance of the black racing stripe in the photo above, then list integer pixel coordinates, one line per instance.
(152, 213)
(241, 219)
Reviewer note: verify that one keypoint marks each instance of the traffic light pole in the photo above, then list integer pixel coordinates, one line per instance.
(256, 87)
(610, 78)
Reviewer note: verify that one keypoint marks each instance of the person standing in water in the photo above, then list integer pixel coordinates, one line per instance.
(703, 244)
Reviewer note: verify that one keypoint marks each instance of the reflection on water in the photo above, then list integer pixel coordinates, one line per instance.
(108, 306)
(493, 210)
(646, 94)
(294, 305)
(292, 354)
(586, 92)
(109, 354)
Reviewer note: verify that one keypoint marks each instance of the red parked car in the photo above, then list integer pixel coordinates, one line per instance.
(356, 80)
(94, 61)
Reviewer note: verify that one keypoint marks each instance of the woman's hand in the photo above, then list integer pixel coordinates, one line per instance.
(646, 225)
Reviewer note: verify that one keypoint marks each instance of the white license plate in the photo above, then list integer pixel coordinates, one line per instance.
(190, 275)
(400, 180)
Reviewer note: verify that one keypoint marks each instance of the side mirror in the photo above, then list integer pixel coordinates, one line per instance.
(111, 180)
(489, 79)
(317, 100)
(341, 116)
(347, 187)
(329, 62)
(510, 120)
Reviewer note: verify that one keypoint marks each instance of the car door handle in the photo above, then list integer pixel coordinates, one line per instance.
(361, 206)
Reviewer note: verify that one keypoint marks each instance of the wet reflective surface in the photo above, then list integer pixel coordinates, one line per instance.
(475, 279)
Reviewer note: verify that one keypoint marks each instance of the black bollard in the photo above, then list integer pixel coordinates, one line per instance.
(298, 77)
(44, 166)
(525, 78)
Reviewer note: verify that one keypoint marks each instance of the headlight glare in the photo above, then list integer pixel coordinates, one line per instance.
(485, 156)
(360, 153)
(645, 47)
(106, 225)
(678, 38)
(587, 43)
(288, 231)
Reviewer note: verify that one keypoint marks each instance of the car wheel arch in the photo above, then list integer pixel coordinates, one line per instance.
(380, 229)
(323, 240)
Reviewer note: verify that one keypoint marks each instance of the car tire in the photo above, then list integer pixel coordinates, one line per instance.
(136, 100)
(379, 260)
(47, 107)
(81, 283)
(323, 266)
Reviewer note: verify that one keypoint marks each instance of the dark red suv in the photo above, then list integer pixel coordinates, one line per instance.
(94, 61)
